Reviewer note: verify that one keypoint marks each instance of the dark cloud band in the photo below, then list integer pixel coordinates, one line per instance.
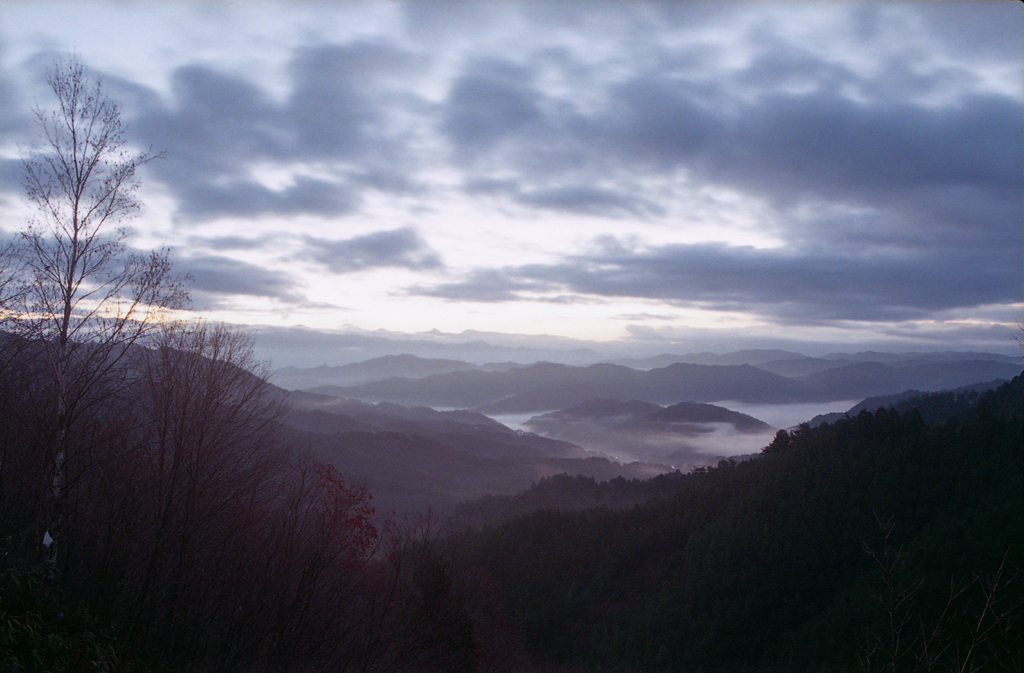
(402, 248)
(808, 286)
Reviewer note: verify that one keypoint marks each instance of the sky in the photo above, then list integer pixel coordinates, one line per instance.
(625, 176)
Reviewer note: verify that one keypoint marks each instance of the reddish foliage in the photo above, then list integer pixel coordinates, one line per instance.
(347, 509)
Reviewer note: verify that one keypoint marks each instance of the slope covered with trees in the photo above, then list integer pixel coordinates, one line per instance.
(188, 529)
(873, 542)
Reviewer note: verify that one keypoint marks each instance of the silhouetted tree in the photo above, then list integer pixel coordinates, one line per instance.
(88, 297)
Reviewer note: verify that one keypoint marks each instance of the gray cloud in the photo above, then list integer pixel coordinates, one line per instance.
(992, 33)
(791, 127)
(16, 126)
(487, 285)
(214, 276)
(493, 101)
(15, 113)
(402, 248)
(341, 110)
(213, 122)
(438, 21)
(592, 200)
(799, 286)
(337, 106)
(231, 242)
(893, 179)
(11, 176)
(894, 205)
(581, 198)
(247, 198)
(836, 148)
(820, 146)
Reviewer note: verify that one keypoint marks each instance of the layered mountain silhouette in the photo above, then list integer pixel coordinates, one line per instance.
(415, 458)
(756, 356)
(388, 366)
(933, 407)
(418, 432)
(546, 386)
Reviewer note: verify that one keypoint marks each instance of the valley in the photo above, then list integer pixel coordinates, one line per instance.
(425, 433)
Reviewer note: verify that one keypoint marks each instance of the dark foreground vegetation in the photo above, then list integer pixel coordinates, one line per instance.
(192, 536)
(186, 534)
(877, 542)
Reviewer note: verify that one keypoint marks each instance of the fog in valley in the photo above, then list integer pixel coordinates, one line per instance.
(706, 442)
(672, 415)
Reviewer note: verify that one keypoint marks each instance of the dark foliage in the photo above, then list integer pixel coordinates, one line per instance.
(152, 514)
(566, 492)
(196, 538)
(792, 561)
(39, 632)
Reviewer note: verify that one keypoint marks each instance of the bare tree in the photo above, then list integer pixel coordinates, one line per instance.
(10, 287)
(10, 291)
(975, 628)
(210, 441)
(887, 648)
(89, 296)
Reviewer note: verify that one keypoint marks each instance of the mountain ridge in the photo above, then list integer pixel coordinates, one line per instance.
(545, 386)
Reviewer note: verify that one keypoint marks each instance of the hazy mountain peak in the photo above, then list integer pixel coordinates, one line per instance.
(697, 412)
(605, 407)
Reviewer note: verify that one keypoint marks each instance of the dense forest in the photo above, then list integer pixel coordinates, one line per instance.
(877, 542)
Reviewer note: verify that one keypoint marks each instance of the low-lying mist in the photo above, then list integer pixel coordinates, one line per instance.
(681, 446)
(788, 415)
(692, 446)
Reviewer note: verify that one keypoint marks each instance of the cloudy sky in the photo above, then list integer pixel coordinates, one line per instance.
(678, 176)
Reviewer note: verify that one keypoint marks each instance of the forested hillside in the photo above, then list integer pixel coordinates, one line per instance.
(190, 534)
(194, 536)
(870, 543)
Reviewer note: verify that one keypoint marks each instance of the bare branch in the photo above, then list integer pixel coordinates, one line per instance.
(88, 298)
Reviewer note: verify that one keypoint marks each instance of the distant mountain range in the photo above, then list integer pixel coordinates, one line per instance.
(305, 347)
(416, 432)
(388, 366)
(933, 407)
(545, 386)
